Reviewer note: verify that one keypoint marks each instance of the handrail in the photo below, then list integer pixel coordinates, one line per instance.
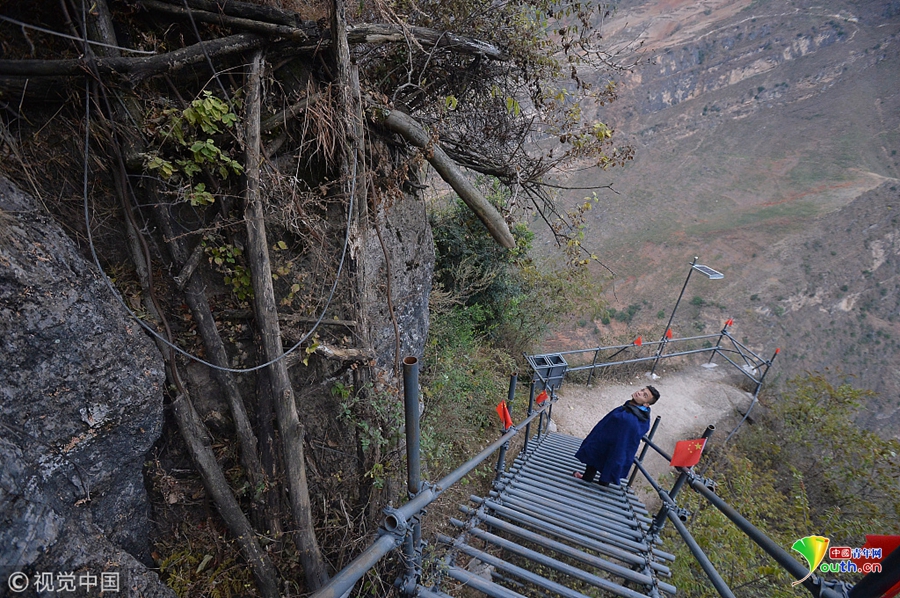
(708, 568)
(396, 522)
(753, 363)
(813, 583)
(748, 356)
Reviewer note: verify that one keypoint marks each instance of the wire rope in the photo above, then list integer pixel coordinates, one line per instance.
(209, 61)
(72, 37)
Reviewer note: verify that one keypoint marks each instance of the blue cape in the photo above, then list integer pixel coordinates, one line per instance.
(611, 445)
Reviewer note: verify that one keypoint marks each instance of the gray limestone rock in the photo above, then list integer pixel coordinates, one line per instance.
(80, 406)
(409, 247)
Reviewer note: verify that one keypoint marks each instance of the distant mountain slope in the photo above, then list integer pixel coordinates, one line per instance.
(830, 296)
(767, 137)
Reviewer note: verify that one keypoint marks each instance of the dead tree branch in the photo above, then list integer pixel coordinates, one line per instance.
(413, 132)
(267, 317)
(200, 447)
(253, 25)
(377, 33)
(134, 69)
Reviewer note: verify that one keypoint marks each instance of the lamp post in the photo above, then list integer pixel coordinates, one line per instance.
(705, 270)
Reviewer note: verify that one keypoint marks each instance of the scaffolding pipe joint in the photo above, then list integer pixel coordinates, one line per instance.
(395, 524)
(709, 483)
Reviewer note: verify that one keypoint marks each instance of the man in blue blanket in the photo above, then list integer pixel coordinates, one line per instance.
(610, 447)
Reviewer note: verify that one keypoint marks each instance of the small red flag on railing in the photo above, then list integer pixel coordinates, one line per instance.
(668, 333)
(505, 417)
(541, 397)
(687, 452)
(638, 341)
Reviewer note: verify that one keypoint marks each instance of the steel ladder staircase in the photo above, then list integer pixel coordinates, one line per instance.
(545, 533)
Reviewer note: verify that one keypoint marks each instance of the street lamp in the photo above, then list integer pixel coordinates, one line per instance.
(709, 273)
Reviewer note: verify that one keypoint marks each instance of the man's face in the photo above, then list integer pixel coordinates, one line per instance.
(642, 397)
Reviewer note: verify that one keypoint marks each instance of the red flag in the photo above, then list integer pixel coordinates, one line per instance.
(668, 333)
(505, 418)
(687, 452)
(729, 321)
(638, 341)
(541, 397)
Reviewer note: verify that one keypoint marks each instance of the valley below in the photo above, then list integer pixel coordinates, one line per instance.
(766, 139)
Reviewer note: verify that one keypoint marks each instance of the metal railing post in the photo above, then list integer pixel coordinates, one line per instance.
(593, 364)
(549, 410)
(708, 568)
(766, 371)
(530, 411)
(664, 339)
(501, 459)
(644, 450)
(759, 384)
(412, 542)
(396, 521)
(718, 342)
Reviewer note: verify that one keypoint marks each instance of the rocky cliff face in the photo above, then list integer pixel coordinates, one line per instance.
(407, 259)
(80, 406)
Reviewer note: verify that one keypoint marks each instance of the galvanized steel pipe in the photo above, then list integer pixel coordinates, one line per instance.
(501, 459)
(413, 468)
(569, 535)
(396, 521)
(710, 570)
(778, 553)
(552, 563)
(574, 553)
(498, 563)
(344, 581)
(644, 449)
(660, 519)
(411, 412)
(482, 585)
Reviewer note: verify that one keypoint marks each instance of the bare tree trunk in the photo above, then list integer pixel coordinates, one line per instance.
(267, 317)
(197, 439)
(192, 429)
(197, 302)
(355, 187)
(268, 452)
(353, 164)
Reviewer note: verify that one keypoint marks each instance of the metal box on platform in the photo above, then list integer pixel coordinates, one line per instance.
(549, 370)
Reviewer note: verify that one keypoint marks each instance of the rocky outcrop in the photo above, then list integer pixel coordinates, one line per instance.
(404, 266)
(80, 406)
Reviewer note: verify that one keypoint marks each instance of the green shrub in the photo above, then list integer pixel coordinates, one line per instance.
(804, 469)
(489, 305)
(463, 380)
(517, 298)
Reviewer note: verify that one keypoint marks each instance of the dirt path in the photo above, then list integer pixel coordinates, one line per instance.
(690, 400)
